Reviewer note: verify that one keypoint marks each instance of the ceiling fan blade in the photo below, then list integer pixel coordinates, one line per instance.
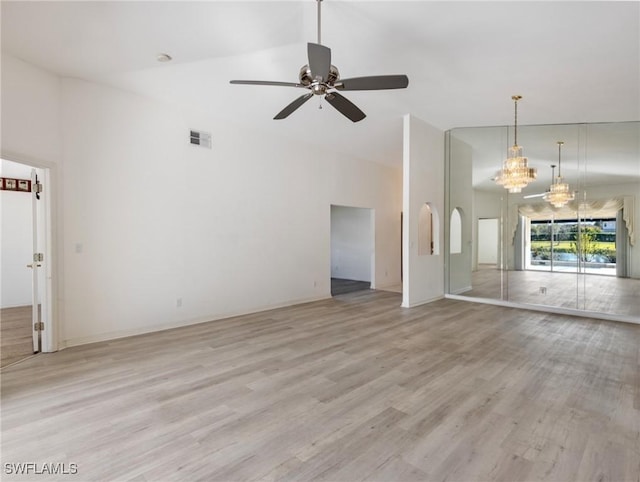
(265, 82)
(534, 195)
(319, 60)
(374, 82)
(288, 110)
(345, 106)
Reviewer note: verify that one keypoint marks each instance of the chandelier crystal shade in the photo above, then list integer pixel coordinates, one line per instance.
(515, 173)
(559, 193)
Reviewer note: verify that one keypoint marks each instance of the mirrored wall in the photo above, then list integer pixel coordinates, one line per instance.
(519, 247)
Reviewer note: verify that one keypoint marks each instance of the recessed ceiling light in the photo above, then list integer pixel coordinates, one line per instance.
(163, 58)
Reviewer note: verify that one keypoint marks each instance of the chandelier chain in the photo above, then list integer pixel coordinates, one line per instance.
(559, 159)
(515, 124)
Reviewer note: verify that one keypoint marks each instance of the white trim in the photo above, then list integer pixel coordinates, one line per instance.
(113, 335)
(4, 367)
(372, 233)
(394, 287)
(29, 161)
(48, 312)
(424, 302)
(549, 309)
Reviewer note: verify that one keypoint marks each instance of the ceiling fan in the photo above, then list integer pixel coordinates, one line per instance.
(322, 78)
(542, 194)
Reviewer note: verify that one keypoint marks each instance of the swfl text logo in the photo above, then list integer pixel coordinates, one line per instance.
(32, 468)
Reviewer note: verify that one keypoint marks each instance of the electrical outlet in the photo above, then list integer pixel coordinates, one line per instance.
(179, 303)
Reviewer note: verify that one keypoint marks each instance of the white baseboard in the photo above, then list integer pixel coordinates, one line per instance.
(423, 302)
(396, 287)
(114, 335)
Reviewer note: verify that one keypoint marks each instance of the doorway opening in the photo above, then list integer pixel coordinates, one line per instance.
(352, 249)
(25, 282)
(488, 242)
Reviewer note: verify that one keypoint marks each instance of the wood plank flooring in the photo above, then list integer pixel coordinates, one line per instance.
(604, 294)
(16, 340)
(346, 389)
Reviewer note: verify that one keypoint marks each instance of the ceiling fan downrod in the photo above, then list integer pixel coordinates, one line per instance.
(319, 2)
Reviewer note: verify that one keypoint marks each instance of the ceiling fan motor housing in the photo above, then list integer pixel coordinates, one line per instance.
(307, 79)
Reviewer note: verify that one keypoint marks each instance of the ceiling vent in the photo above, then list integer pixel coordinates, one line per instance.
(200, 138)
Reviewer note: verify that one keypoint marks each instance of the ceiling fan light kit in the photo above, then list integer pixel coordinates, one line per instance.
(515, 173)
(322, 78)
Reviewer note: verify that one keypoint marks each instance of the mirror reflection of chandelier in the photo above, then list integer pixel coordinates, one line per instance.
(515, 173)
(559, 193)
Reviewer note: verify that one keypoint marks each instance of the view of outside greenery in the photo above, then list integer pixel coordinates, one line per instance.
(595, 242)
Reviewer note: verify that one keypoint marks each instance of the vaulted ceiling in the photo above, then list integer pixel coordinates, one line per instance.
(572, 61)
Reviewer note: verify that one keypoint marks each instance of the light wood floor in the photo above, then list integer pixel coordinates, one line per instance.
(16, 341)
(351, 388)
(604, 294)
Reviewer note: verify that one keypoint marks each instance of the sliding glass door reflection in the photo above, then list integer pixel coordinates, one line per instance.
(571, 246)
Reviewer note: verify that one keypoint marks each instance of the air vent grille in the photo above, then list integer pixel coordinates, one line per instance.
(200, 138)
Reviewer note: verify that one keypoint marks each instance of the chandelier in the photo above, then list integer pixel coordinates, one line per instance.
(515, 173)
(559, 193)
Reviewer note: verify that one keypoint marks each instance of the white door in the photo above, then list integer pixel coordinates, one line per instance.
(36, 266)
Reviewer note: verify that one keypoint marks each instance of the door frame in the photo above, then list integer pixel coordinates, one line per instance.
(371, 234)
(48, 292)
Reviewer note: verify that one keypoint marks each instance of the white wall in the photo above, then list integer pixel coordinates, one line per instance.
(16, 239)
(146, 220)
(30, 112)
(352, 239)
(151, 222)
(423, 180)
